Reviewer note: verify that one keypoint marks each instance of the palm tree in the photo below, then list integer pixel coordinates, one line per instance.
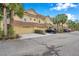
(4, 20)
(9, 10)
(60, 18)
(63, 18)
(14, 9)
(1, 17)
(56, 21)
(1, 12)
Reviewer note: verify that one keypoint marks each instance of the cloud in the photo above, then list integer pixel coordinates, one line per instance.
(64, 6)
(71, 17)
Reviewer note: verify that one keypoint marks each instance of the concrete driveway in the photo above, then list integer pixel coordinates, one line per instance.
(60, 44)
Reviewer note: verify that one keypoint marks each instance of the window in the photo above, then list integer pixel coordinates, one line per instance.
(34, 19)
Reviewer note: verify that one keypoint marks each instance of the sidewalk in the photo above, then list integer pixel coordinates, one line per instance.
(32, 35)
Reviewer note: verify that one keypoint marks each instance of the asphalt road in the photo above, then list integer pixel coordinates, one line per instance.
(60, 44)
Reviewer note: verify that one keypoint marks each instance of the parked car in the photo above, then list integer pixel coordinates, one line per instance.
(50, 30)
(67, 30)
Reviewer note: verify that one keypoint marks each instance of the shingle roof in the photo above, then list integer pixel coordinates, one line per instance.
(36, 15)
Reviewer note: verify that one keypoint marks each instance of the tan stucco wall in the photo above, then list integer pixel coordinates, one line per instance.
(38, 28)
(26, 30)
(23, 30)
(49, 21)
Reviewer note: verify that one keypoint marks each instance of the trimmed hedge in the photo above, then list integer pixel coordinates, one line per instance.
(40, 32)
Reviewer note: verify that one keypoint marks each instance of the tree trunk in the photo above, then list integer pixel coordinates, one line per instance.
(4, 20)
(10, 25)
(62, 27)
(57, 28)
(11, 19)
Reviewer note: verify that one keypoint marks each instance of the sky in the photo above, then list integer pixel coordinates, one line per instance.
(52, 9)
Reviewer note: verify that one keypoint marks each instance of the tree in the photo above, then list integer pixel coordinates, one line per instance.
(56, 21)
(1, 12)
(1, 17)
(14, 8)
(60, 18)
(8, 10)
(63, 18)
(71, 24)
(4, 19)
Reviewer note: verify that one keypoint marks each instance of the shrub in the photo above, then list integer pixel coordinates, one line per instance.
(11, 33)
(61, 31)
(13, 36)
(10, 30)
(1, 34)
(40, 31)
